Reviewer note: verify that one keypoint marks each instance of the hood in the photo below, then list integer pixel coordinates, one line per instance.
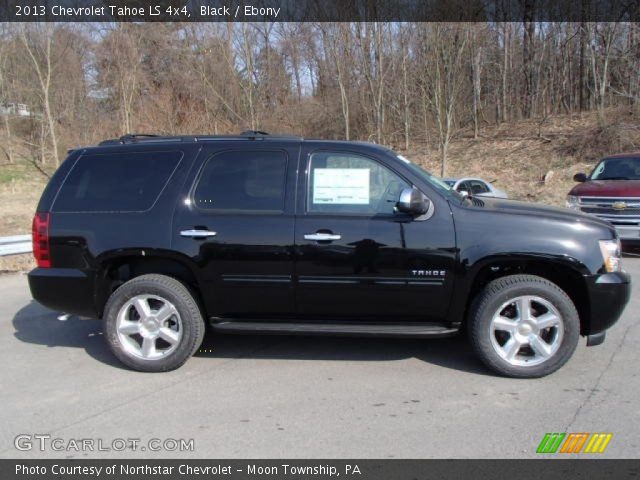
(607, 188)
(536, 210)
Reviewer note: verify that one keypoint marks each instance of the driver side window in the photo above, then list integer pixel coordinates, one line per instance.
(478, 187)
(346, 183)
(464, 187)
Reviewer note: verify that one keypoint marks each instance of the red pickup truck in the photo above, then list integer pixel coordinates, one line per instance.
(612, 192)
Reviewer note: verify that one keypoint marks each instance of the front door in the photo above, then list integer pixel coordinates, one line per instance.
(357, 258)
(236, 223)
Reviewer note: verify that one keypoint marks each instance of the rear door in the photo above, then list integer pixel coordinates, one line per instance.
(235, 221)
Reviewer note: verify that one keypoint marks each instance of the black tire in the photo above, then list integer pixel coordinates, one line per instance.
(501, 290)
(168, 288)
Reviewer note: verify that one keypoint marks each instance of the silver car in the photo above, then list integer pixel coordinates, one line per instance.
(475, 186)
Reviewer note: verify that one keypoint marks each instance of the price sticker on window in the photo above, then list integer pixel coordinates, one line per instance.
(341, 186)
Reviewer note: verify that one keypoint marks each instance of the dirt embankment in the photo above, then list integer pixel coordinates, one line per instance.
(535, 160)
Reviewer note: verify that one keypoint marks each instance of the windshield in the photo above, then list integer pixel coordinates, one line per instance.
(617, 169)
(434, 181)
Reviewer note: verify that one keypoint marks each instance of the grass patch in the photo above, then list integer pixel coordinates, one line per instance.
(16, 172)
(24, 171)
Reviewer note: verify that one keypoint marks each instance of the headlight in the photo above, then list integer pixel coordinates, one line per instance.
(573, 202)
(611, 253)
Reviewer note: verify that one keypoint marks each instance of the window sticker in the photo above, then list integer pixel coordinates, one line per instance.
(343, 186)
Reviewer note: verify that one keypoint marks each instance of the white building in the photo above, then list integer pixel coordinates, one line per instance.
(19, 109)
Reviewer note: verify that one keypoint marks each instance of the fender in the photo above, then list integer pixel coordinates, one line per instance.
(114, 267)
(471, 270)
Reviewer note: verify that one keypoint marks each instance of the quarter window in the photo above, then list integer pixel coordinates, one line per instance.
(116, 182)
(243, 181)
(347, 183)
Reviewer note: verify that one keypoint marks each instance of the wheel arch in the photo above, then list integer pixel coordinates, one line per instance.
(116, 268)
(566, 273)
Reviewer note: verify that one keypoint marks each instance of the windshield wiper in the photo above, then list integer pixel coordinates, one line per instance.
(613, 178)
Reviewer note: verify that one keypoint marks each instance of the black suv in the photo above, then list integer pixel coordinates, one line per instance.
(276, 234)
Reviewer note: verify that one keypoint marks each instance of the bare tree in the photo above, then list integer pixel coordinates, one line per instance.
(405, 32)
(246, 42)
(4, 94)
(37, 42)
(337, 41)
(528, 54)
(394, 83)
(121, 74)
(444, 76)
(600, 63)
(476, 70)
(371, 38)
(506, 41)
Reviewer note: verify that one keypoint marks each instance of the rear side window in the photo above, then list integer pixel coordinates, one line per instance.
(116, 182)
(243, 180)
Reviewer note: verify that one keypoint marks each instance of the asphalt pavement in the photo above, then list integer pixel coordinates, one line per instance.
(300, 397)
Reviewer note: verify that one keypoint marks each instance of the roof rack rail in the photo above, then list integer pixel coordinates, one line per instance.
(253, 133)
(138, 137)
(259, 134)
(135, 136)
(152, 138)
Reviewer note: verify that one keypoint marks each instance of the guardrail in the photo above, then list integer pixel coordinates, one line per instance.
(15, 245)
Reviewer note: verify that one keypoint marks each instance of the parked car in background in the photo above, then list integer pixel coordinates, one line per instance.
(612, 192)
(475, 187)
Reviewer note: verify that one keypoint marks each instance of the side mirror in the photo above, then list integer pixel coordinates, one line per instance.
(580, 177)
(413, 202)
(464, 193)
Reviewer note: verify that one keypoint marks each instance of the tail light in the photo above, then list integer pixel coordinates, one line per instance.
(40, 233)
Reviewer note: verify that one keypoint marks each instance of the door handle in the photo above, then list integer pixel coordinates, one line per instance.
(319, 237)
(197, 233)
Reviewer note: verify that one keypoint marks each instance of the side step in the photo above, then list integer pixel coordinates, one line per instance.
(346, 329)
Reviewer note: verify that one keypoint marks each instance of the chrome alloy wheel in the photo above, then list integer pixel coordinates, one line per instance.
(526, 331)
(148, 327)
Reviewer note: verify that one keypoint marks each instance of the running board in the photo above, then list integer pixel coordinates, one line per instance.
(346, 329)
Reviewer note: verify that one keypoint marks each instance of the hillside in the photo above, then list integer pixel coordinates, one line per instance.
(517, 156)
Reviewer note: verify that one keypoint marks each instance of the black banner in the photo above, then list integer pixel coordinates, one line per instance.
(318, 10)
(319, 469)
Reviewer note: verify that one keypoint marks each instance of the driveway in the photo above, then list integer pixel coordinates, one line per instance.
(302, 397)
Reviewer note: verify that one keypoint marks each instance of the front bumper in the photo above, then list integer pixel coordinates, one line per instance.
(608, 294)
(65, 290)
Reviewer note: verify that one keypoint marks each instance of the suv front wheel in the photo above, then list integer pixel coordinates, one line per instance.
(153, 324)
(523, 326)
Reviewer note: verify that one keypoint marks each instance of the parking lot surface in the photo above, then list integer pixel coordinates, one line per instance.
(302, 397)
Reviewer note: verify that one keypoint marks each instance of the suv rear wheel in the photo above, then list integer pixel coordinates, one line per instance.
(524, 326)
(153, 324)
